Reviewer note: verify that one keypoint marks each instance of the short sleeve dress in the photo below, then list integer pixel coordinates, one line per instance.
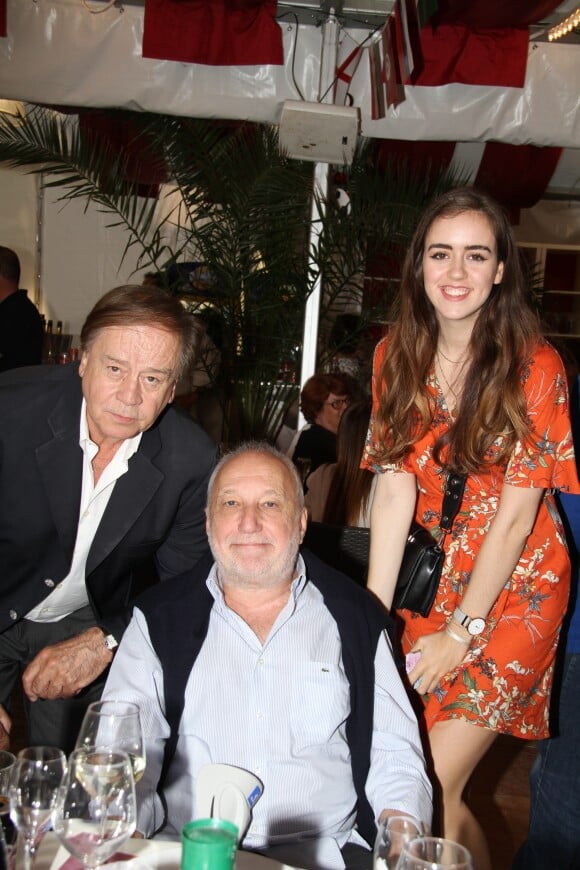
(505, 680)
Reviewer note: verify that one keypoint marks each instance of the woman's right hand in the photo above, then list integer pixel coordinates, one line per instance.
(440, 654)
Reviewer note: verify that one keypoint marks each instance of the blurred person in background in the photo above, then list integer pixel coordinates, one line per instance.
(553, 838)
(341, 493)
(21, 327)
(323, 400)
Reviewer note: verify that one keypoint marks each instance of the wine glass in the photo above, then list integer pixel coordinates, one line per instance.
(8, 832)
(393, 834)
(35, 777)
(114, 725)
(95, 809)
(434, 853)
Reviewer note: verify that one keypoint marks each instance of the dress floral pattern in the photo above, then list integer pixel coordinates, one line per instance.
(504, 682)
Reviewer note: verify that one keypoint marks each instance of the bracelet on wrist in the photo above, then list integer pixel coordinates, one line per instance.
(457, 637)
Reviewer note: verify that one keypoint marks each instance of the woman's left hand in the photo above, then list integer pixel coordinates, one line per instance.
(440, 654)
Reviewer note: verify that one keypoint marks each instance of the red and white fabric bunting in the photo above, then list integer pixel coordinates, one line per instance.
(220, 33)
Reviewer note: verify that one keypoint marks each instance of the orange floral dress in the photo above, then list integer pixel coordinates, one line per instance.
(504, 682)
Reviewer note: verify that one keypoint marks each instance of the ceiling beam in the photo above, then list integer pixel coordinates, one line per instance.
(351, 13)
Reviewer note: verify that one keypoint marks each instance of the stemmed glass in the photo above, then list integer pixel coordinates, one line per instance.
(34, 780)
(393, 834)
(114, 725)
(95, 809)
(7, 828)
(434, 853)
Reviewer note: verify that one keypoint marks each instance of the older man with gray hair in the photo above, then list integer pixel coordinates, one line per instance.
(269, 660)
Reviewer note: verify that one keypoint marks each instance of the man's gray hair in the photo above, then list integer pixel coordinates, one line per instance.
(264, 449)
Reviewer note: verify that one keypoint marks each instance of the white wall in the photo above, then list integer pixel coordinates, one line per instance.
(81, 260)
(79, 256)
(18, 223)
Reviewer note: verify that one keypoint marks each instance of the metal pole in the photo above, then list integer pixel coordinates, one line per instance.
(330, 35)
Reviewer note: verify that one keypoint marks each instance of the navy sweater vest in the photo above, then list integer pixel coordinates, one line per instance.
(177, 614)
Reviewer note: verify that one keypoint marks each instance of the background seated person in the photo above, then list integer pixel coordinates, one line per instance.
(341, 492)
(322, 401)
(253, 660)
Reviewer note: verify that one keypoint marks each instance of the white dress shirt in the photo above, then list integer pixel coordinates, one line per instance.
(279, 710)
(71, 592)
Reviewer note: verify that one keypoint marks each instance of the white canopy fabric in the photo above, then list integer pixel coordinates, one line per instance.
(58, 52)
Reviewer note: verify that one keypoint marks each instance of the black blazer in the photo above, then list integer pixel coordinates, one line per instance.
(156, 508)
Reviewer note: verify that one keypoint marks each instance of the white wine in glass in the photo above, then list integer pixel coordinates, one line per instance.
(114, 725)
(95, 809)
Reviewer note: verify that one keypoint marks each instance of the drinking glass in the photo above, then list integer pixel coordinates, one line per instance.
(434, 853)
(95, 809)
(35, 777)
(114, 725)
(394, 833)
(8, 832)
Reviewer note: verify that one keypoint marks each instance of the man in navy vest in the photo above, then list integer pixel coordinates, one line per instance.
(269, 660)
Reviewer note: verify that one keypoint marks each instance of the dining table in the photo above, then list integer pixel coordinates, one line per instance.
(139, 854)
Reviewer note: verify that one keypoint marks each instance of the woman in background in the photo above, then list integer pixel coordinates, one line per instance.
(340, 493)
(322, 401)
(464, 382)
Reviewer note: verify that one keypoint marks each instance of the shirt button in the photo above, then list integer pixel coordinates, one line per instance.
(260, 661)
(13, 614)
(259, 715)
(48, 582)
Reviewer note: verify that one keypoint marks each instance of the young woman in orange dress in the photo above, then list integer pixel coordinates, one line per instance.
(465, 382)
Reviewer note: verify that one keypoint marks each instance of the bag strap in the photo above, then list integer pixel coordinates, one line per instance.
(452, 498)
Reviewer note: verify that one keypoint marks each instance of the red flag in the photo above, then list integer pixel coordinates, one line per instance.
(492, 57)
(517, 175)
(220, 33)
(124, 134)
(391, 72)
(404, 41)
(346, 69)
(495, 13)
(375, 52)
(3, 31)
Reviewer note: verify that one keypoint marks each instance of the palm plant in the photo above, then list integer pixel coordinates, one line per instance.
(244, 212)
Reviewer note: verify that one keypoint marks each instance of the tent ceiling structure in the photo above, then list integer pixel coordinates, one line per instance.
(58, 52)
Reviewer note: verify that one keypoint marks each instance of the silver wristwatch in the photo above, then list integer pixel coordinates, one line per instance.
(474, 625)
(110, 642)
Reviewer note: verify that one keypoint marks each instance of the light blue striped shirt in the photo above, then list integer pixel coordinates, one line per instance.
(277, 709)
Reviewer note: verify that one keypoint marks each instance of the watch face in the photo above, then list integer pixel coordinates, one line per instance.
(476, 626)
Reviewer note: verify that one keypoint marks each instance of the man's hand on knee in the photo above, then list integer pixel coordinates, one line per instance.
(5, 726)
(63, 669)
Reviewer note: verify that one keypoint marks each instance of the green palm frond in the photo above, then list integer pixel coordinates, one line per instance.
(244, 212)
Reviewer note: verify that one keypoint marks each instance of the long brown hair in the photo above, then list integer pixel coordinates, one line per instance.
(506, 329)
(350, 488)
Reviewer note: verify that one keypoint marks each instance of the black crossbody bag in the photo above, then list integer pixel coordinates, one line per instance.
(420, 570)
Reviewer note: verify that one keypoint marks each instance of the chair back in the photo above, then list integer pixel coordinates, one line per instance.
(345, 548)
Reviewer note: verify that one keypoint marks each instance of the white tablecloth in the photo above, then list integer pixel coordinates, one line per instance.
(155, 854)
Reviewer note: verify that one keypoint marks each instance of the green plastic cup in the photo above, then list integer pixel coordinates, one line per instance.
(208, 844)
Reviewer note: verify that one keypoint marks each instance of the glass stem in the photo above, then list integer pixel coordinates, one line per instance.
(29, 854)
